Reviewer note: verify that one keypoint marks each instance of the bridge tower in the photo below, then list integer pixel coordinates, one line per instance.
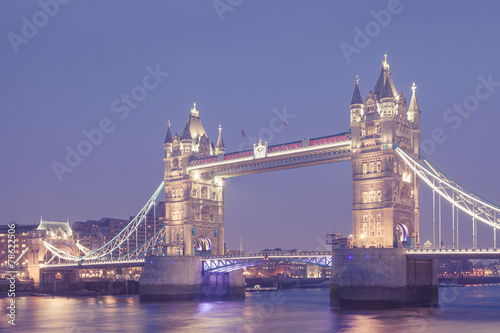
(385, 191)
(194, 205)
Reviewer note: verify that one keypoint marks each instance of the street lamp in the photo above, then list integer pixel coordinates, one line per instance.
(362, 240)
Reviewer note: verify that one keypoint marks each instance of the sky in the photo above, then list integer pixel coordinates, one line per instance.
(67, 68)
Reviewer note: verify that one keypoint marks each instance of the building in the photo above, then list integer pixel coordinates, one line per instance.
(385, 191)
(339, 241)
(21, 242)
(194, 208)
(455, 267)
(94, 234)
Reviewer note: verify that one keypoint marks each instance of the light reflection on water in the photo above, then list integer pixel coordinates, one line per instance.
(467, 309)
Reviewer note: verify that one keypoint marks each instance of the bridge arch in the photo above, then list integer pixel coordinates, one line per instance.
(403, 231)
(202, 246)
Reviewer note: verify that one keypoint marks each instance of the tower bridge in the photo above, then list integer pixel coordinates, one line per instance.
(383, 147)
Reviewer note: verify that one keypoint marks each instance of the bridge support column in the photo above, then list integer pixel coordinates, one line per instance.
(174, 278)
(381, 278)
(34, 273)
(58, 282)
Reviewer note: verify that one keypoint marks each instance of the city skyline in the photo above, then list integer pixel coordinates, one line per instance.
(245, 69)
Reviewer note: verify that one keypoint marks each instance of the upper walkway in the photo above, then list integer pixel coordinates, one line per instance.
(265, 158)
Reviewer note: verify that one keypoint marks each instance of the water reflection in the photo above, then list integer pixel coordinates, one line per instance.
(473, 308)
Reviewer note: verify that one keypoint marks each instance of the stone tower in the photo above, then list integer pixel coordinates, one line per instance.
(194, 208)
(385, 190)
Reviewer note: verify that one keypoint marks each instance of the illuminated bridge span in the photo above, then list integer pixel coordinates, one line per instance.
(91, 264)
(226, 263)
(229, 263)
(328, 149)
(235, 262)
(450, 253)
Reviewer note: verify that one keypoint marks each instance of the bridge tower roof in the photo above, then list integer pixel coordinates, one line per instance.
(168, 137)
(384, 80)
(356, 96)
(220, 141)
(413, 103)
(186, 133)
(196, 129)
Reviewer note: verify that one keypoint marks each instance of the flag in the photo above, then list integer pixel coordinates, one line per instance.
(284, 123)
(243, 133)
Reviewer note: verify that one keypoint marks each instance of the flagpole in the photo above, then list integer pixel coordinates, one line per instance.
(241, 139)
(283, 133)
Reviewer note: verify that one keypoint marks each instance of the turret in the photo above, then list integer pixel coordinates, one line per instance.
(413, 110)
(414, 118)
(219, 147)
(167, 144)
(386, 91)
(356, 104)
(186, 139)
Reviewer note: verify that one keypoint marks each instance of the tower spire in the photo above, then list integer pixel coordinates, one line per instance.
(385, 64)
(383, 80)
(219, 147)
(168, 137)
(186, 134)
(194, 112)
(413, 110)
(356, 96)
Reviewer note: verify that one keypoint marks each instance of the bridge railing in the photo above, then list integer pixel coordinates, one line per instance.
(269, 254)
(274, 150)
(451, 250)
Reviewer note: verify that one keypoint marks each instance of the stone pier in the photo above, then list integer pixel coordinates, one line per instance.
(381, 278)
(58, 282)
(177, 278)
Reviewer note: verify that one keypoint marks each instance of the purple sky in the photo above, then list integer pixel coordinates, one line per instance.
(261, 56)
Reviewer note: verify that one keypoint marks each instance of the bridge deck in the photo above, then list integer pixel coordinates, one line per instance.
(466, 253)
(227, 263)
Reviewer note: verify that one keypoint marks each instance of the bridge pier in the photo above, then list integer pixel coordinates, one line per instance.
(175, 278)
(381, 278)
(56, 282)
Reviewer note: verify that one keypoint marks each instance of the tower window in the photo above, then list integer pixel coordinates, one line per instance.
(204, 192)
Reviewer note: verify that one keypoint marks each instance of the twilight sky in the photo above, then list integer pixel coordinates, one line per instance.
(243, 62)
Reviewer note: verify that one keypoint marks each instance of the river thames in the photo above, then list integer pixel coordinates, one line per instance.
(462, 309)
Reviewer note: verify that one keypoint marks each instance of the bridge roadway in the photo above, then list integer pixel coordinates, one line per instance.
(228, 263)
(223, 263)
(449, 253)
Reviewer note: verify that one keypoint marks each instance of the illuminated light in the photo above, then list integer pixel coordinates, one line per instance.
(407, 177)
(170, 262)
(367, 256)
(41, 265)
(350, 257)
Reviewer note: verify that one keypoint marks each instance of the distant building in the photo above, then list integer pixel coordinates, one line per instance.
(455, 267)
(94, 234)
(22, 234)
(339, 241)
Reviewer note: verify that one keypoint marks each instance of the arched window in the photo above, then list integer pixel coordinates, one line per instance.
(204, 192)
